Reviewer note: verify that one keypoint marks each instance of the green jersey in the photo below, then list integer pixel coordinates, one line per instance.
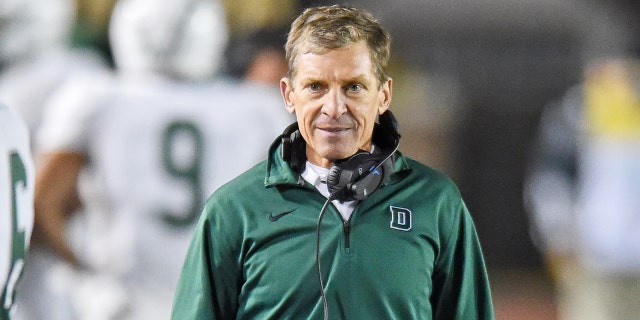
(409, 251)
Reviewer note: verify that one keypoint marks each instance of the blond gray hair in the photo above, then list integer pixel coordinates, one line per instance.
(320, 29)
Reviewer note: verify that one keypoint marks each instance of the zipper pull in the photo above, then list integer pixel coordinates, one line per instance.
(347, 230)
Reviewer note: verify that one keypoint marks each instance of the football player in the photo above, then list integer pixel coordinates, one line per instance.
(142, 150)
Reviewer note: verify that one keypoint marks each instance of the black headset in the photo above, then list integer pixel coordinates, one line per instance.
(358, 176)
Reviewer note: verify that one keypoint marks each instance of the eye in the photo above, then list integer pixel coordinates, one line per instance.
(355, 87)
(314, 87)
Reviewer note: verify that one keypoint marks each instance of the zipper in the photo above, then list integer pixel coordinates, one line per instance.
(346, 227)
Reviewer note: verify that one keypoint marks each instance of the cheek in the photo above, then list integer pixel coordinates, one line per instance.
(367, 125)
(304, 123)
(307, 110)
(367, 131)
(369, 117)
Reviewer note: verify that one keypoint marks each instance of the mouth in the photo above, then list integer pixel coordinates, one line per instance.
(334, 129)
(334, 132)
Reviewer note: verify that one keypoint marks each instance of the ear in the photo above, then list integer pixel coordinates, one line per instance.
(286, 90)
(385, 95)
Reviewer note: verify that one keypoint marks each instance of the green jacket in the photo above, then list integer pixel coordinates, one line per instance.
(409, 251)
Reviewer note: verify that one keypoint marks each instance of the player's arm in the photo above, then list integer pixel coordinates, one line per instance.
(56, 199)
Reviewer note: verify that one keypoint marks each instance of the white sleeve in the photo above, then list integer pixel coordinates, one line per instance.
(67, 117)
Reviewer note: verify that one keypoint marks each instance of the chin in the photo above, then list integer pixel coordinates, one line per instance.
(336, 150)
(340, 155)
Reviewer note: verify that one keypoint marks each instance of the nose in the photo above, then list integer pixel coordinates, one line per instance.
(334, 104)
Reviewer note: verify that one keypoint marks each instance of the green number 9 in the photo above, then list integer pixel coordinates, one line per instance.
(188, 171)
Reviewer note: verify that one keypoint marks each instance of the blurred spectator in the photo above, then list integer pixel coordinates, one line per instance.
(582, 191)
(141, 150)
(245, 17)
(92, 24)
(258, 57)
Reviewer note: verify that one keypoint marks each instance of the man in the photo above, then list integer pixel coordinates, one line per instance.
(397, 241)
(142, 150)
(16, 198)
(582, 192)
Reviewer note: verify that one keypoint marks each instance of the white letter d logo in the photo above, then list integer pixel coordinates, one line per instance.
(400, 218)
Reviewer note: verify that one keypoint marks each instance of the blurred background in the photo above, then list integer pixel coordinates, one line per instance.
(471, 79)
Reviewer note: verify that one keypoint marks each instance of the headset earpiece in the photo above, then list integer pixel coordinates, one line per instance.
(293, 147)
(356, 177)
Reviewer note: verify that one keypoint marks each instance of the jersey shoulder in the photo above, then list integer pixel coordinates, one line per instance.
(13, 130)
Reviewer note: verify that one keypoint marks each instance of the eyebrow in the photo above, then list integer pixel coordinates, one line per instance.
(361, 78)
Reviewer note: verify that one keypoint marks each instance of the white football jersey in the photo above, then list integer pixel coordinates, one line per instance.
(156, 151)
(16, 203)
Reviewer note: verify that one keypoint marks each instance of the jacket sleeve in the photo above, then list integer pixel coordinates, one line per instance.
(208, 286)
(460, 285)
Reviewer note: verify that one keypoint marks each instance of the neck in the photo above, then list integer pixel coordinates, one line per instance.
(317, 160)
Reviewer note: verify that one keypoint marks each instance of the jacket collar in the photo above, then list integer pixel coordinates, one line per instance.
(279, 171)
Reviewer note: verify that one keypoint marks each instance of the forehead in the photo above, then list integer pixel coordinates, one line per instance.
(347, 62)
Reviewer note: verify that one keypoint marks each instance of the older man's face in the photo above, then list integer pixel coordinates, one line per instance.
(336, 99)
